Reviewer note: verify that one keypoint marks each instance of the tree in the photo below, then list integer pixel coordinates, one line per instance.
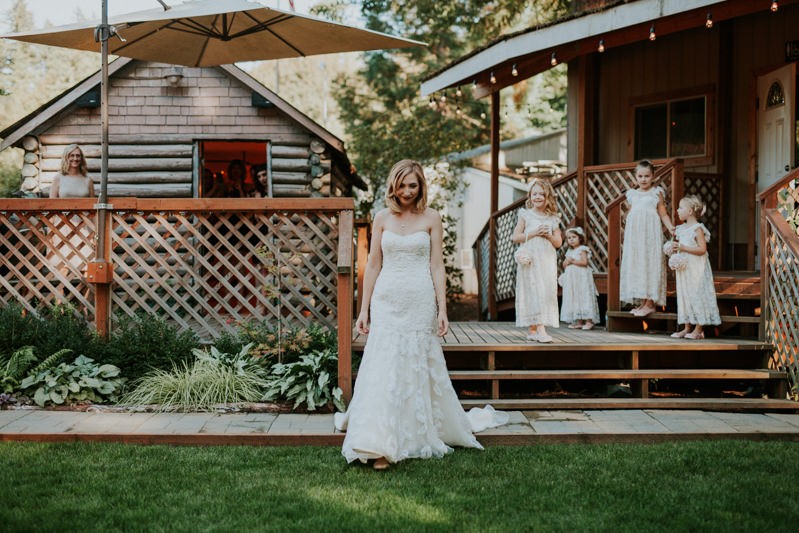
(385, 117)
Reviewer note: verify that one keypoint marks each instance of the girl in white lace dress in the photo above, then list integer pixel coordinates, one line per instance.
(404, 405)
(538, 234)
(578, 305)
(643, 273)
(696, 293)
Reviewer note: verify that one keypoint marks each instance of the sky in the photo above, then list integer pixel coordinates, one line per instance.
(59, 12)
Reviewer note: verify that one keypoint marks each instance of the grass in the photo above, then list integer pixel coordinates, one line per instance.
(695, 486)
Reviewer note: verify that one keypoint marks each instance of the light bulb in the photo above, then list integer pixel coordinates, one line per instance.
(444, 97)
(709, 21)
(493, 78)
(458, 111)
(652, 35)
(514, 70)
(774, 6)
(483, 115)
(601, 47)
(553, 60)
(459, 93)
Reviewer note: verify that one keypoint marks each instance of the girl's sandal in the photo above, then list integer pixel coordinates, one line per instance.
(695, 336)
(381, 463)
(575, 326)
(679, 334)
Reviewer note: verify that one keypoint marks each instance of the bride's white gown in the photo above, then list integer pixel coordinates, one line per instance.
(404, 405)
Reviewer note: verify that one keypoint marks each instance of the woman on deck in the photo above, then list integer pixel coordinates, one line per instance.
(404, 405)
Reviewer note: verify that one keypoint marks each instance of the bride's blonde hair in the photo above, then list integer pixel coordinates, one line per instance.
(399, 172)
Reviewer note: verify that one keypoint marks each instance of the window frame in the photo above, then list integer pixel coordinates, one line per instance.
(667, 98)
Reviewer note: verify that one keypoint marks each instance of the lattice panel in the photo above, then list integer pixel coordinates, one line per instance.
(782, 305)
(207, 271)
(601, 189)
(483, 250)
(788, 204)
(44, 257)
(708, 189)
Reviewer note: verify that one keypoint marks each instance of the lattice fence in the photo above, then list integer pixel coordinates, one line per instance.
(781, 313)
(44, 255)
(201, 269)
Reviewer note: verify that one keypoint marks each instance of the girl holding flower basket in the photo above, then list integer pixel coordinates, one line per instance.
(696, 294)
(539, 237)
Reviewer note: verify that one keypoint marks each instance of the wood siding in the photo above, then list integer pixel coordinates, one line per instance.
(153, 129)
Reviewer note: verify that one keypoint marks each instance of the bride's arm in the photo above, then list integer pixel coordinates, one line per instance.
(438, 271)
(373, 265)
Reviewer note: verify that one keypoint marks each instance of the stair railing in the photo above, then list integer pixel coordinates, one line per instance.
(779, 274)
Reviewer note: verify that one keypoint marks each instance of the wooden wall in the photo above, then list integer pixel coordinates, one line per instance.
(154, 128)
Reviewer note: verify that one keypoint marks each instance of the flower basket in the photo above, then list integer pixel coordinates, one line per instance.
(523, 256)
(678, 262)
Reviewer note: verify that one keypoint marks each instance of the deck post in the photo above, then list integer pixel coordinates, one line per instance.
(344, 303)
(492, 229)
(100, 273)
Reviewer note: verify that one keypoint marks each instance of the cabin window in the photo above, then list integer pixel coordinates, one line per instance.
(675, 128)
(229, 169)
(776, 96)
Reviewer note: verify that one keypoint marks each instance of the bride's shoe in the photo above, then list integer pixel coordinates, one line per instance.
(381, 463)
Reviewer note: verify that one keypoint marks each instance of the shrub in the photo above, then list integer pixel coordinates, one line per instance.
(270, 347)
(311, 380)
(82, 380)
(50, 330)
(18, 328)
(144, 343)
(213, 378)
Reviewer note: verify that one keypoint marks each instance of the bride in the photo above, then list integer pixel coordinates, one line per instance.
(404, 405)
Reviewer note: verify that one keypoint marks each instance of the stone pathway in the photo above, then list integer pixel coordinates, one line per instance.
(525, 427)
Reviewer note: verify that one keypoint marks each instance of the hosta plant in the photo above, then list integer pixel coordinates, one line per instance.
(311, 380)
(83, 380)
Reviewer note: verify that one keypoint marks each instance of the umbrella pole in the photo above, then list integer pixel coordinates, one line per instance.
(99, 271)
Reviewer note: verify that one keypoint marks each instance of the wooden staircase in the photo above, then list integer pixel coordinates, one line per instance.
(492, 362)
(738, 297)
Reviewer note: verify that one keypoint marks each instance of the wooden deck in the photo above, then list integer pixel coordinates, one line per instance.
(493, 361)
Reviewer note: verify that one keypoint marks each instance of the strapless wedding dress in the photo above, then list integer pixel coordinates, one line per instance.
(404, 405)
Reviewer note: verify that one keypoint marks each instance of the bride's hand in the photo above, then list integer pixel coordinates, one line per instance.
(443, 324)
(362, 324)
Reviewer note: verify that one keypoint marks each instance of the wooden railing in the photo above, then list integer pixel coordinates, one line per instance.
(202, 264)
(584, 199)
(779, 273)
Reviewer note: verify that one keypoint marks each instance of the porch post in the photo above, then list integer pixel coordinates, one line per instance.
(344, 303)
(492, 224)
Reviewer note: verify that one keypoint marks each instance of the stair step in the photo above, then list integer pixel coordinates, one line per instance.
(725, 319)
(707, 404)
(665, 373)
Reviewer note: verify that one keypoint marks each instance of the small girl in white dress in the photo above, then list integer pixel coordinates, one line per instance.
(539, 237)
(643, 273)
(696, 293)
(579, 304)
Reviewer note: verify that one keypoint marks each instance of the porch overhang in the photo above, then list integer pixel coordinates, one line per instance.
(531, 50)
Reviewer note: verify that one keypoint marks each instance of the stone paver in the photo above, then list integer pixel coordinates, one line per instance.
(551, 423)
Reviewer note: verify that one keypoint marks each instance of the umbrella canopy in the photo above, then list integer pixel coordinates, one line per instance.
(216, 32)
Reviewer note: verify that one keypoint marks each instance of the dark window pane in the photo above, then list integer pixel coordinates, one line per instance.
(650, 132)
(688, 127)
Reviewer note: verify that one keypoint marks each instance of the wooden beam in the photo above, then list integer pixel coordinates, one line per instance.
(344, 301)
(494, 207)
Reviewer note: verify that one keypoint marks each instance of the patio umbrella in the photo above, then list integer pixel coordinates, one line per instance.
(203, 33)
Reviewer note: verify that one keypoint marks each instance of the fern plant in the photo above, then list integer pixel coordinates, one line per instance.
(213, 378)
(14, 367)
(311, 381)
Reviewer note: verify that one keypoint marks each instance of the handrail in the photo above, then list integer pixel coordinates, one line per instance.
(180, 204)
(784, 229)
(782, 182)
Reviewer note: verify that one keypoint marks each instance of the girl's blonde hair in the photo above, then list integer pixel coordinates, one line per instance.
(400, 171)
(84, 168)
(577, 230)
(551, 206)
(695, 204)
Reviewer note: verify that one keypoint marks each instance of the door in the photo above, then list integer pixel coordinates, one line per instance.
(775, 125)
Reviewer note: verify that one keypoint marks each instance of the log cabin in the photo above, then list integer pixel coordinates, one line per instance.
(706, 89)
(167, 124)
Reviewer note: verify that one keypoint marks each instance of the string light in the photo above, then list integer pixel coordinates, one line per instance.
(432, 103)
(459, 93)
(444, 97)
(709, 21)
(601, 47)
(553, 60)
(774, 6)
(474, 85)
(514, 71)
(652, 35)
(483, 115)
(458, 111)
(493, 78)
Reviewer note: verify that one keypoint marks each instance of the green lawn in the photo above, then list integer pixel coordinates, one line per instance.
(698, 486)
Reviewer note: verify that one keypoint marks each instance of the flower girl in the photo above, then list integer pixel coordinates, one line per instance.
(579, 303)
(696, 294)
